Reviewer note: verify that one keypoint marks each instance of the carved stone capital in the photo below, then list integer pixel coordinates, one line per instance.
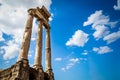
(50, 73)
(31, 11)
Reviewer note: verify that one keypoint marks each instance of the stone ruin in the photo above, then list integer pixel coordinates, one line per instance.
(21, 69)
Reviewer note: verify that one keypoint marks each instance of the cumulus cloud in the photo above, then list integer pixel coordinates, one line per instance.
(28, 3)
(78, 39)
(93, 18)
(13, 15)
(11, 50)
(100, 32)
(112, 37)
(102, 49)
(58, 59)
(100, 23)
(117, 7)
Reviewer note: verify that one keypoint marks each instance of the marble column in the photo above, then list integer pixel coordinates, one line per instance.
(38, 53)
(26, 37)
(48, 50)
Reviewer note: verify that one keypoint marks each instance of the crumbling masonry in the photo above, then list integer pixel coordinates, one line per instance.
(21, 69)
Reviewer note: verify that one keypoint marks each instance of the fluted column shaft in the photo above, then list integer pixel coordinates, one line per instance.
(38, 53)
(26, 37)
(48, 50)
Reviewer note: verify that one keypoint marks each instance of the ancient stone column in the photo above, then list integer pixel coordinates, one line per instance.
(48, 55)
(48, 50)
(26, 37)
(38, 53)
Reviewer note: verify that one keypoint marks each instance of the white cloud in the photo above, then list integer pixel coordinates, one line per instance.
(93, 18)
(95, 49)
(85, 52)
(1, 37)
(13, 16)
(74, 60)
(112, 37)
(102, 49)
(28, 3)
(113, 24)
(29, 55)
(78, 39)
(71, 63)
(51, 17)
(63, 69)
(100, 32)
(58, 59)
(11, 50)
(117, 7)
(100, 23)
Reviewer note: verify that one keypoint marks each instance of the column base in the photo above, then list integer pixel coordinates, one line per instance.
(50, 74)
(40, 71)
(24, 62)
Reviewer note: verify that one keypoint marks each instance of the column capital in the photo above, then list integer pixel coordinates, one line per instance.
(40, 20)
(48, 28)
(31, 12)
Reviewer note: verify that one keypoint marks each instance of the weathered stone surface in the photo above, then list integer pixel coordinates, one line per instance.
(38, 53)
(19, 71)
(26, 37)
(48, 50)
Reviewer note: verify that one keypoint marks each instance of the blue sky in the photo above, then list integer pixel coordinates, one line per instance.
(85, 37)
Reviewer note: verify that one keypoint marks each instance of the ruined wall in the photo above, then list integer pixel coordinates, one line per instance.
(22, 71)
(19, 71)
